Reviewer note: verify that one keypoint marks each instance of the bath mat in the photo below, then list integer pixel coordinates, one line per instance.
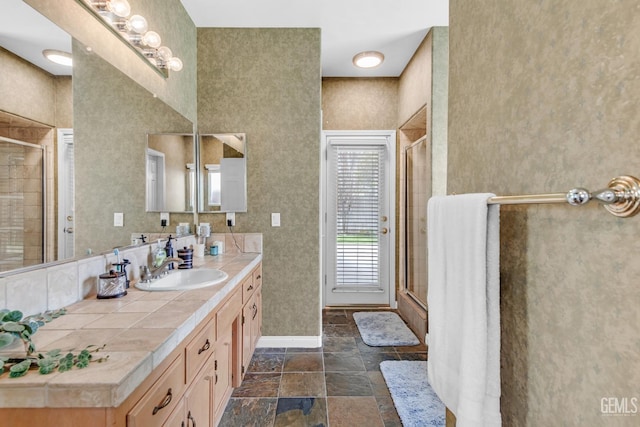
(416, 402)
(383, 328)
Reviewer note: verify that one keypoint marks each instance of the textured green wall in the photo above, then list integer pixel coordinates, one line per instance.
(543, 98)
(267, 83)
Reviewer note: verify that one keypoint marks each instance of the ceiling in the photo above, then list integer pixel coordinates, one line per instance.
(348, 27)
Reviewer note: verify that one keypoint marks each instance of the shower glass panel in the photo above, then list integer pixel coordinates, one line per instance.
(22, 207)
(418, 192)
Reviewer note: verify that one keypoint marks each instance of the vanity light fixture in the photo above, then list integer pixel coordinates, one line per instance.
(134, 30)
(58, 56)
(368, 59)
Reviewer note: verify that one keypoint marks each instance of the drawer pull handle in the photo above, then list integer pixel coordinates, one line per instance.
(259, 277)
(164, 403)
(250, 287)
(190, 418)
(255, 311)
(205, 347)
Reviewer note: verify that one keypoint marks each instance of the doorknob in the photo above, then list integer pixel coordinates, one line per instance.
(384, 218)
(384, 230)
(69, 230)
(69, 218)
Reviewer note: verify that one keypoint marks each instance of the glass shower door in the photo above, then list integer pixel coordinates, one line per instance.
(22, 204)
(418, 192)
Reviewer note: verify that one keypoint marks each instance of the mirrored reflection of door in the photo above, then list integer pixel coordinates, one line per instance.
(66, 188)
(155, 181)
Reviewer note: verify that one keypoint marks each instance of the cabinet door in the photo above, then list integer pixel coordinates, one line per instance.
(247, 334)
(199, 397)
(223, 370)
(177, 417)
(256, 324)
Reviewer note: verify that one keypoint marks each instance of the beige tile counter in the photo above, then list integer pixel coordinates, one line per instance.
(140, 330)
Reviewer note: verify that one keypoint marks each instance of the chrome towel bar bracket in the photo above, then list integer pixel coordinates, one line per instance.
(621, 197)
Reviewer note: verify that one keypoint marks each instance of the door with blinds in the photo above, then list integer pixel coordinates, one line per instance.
(66, 189)
(359, 219)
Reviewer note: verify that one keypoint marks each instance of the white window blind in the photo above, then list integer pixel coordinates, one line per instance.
(358, 198)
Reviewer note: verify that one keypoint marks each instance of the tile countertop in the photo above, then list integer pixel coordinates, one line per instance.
(139, 329)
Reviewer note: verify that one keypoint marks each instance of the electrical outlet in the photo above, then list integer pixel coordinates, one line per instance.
(118, 219)
(231, 219)
(164, 219)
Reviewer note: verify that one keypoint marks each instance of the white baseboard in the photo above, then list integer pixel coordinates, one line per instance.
(289, 341)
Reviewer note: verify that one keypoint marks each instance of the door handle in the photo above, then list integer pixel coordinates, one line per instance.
(69, 230)
(384, 230)
(384, 218)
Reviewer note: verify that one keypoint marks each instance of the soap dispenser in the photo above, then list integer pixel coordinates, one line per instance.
(168, 249)
(158, 255)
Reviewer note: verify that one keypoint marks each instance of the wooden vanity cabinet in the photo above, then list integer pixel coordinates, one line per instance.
(251, 322)
(191, 386)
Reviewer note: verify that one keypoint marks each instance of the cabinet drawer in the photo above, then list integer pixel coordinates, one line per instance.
(161, 399)
(229, 312)
(200, 348)
(247, 288)
(257, 276)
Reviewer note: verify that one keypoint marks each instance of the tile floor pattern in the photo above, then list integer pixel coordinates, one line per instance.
(337, 385)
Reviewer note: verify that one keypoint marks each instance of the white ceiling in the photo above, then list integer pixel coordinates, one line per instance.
(393, 27)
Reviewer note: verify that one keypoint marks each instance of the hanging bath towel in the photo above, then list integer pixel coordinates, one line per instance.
(464, 307)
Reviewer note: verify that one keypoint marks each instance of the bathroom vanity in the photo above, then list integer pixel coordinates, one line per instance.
(174, 357)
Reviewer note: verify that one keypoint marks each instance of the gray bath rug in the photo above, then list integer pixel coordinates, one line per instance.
(383, 329)
(416, 402)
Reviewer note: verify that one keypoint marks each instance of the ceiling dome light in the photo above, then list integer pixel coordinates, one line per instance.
(58, 56)
(369, 59)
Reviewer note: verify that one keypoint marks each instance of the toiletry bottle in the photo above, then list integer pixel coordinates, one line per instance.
(158, 255)
(168, 249)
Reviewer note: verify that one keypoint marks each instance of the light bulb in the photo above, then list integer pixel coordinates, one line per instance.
(369, 59)
(119, 7)
(152, 39)
(59, 57)
(164, 53)
(137, 24)
(174, 64)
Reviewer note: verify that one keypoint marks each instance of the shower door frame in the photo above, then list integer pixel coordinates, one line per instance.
(43, 193)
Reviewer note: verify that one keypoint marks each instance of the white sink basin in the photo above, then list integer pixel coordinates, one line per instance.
(180, 280)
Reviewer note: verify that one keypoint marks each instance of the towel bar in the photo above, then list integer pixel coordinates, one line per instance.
(621, 197)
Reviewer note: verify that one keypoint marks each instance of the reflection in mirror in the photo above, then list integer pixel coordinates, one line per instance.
(171, 173)
(223, 173)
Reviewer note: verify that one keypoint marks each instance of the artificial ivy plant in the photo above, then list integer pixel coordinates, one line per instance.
(14, 327)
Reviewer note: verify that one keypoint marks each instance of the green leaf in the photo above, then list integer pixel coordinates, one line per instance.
(19, 369)
(12, 327)
(54, 353)
(6, 339)
(12, 316)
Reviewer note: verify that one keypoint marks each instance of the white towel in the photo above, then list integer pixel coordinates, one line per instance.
(464, 307)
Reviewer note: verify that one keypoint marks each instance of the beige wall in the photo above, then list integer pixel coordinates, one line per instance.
(267, 83)
(359, 104)
(543, 98)
(27, 91)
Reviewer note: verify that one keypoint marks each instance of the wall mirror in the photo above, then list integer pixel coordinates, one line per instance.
(222, 168)
(171, 173)
(101, 96)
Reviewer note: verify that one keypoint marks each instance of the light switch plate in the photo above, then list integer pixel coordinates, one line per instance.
(275, 219)
(118, 219)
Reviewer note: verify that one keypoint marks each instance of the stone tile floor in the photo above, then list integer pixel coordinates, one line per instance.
(337, 385)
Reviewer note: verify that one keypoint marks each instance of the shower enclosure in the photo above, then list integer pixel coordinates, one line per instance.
(22, 192)
(418, 192)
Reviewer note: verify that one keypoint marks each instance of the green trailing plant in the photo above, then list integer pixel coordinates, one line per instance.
(14, 327)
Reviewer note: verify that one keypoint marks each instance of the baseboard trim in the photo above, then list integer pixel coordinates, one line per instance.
(289, 341)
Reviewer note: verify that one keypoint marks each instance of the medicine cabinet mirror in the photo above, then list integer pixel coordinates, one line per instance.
(222, 168)
(171, 173)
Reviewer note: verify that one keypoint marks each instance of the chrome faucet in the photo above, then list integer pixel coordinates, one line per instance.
(148, 273)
